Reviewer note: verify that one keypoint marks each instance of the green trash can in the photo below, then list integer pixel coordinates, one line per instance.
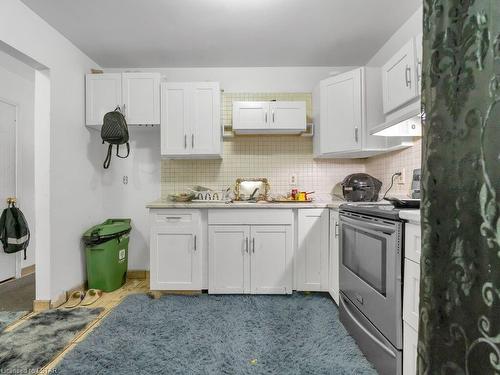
(106, 254)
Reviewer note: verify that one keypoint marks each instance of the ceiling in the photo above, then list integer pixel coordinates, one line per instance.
(195, 33)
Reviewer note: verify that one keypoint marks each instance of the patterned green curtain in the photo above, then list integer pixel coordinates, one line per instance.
(459, 330)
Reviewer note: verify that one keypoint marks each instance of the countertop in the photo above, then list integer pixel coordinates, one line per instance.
(161, 203)
(410, 215)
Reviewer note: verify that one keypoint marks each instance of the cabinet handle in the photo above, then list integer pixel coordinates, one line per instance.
(195, 242)
(124, 111)
(185, 141)
(192, 140)
(408, 76)
(266, 118)
(253, 245)
(336, 230)
(246, 244)
(273, 117)
(356, 134)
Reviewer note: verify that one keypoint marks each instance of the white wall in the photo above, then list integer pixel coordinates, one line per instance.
(411, 28)
(17, 85)
(75, 154)
(260, 79)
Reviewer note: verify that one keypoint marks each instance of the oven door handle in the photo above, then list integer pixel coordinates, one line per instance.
(368, 225)
(367, 332)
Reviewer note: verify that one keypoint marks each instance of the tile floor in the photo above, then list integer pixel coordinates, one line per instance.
(108, 301)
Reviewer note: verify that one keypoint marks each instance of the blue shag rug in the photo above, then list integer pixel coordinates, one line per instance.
(9, 317)
(36, 341)
(207, 334)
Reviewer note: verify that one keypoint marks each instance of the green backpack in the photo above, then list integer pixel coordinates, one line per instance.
(14, 231)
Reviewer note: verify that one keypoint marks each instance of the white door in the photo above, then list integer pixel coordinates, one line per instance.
(333, 273)
(228, 259)
(141, 97)
(341, 112)
(419, 57)
(250, 116)
(8, 115)
(289, 116)
(103, 93)
(176, 258)
(398, 78)
(271, 265)
(206, 132)
(312, 257)
(175, 118)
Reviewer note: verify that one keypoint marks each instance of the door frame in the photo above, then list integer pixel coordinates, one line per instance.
(17, 171)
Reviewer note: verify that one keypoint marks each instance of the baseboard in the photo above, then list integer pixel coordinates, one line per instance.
(137, 274)
(41, 305)
(27, 270)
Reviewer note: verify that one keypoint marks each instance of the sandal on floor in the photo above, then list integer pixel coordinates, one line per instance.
(75, 299)
(91, 296)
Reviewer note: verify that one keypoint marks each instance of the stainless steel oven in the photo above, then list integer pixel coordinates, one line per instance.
(371, 286)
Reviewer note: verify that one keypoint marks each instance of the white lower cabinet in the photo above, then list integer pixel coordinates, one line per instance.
(250, 259)
(333, 259)
(311, 259)
(176, 250)
(411, 298)
(410, 349)
(229, 268)
(270, 259)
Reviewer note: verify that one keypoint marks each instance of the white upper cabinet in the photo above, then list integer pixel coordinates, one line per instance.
(103, 94)
(137, 95)
(419, 57)
(278, 117)
(250, 117)
(141, 98)
(191, 124)
(399, 78)
(340, 113)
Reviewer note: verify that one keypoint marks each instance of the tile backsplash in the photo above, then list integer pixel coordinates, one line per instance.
(384, 166)
(278, 157)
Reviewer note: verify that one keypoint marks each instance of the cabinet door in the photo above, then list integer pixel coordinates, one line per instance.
(205, 129)
(333, 273)
(250, 116)
(228, 258)
(418, 58)
(175, 118)
(411, 293)
(288, 116)
(398, 78)
(312, 258)
(103, 93)
(175, 258)
(141, 98)
(341, 112)
(271, 252)
(410, 350)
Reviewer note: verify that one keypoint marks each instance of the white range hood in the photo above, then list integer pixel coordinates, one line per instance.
(406, 122)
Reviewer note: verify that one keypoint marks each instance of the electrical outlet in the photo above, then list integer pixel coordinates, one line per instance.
(293, 180)
(401, 178)
(125, 180)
